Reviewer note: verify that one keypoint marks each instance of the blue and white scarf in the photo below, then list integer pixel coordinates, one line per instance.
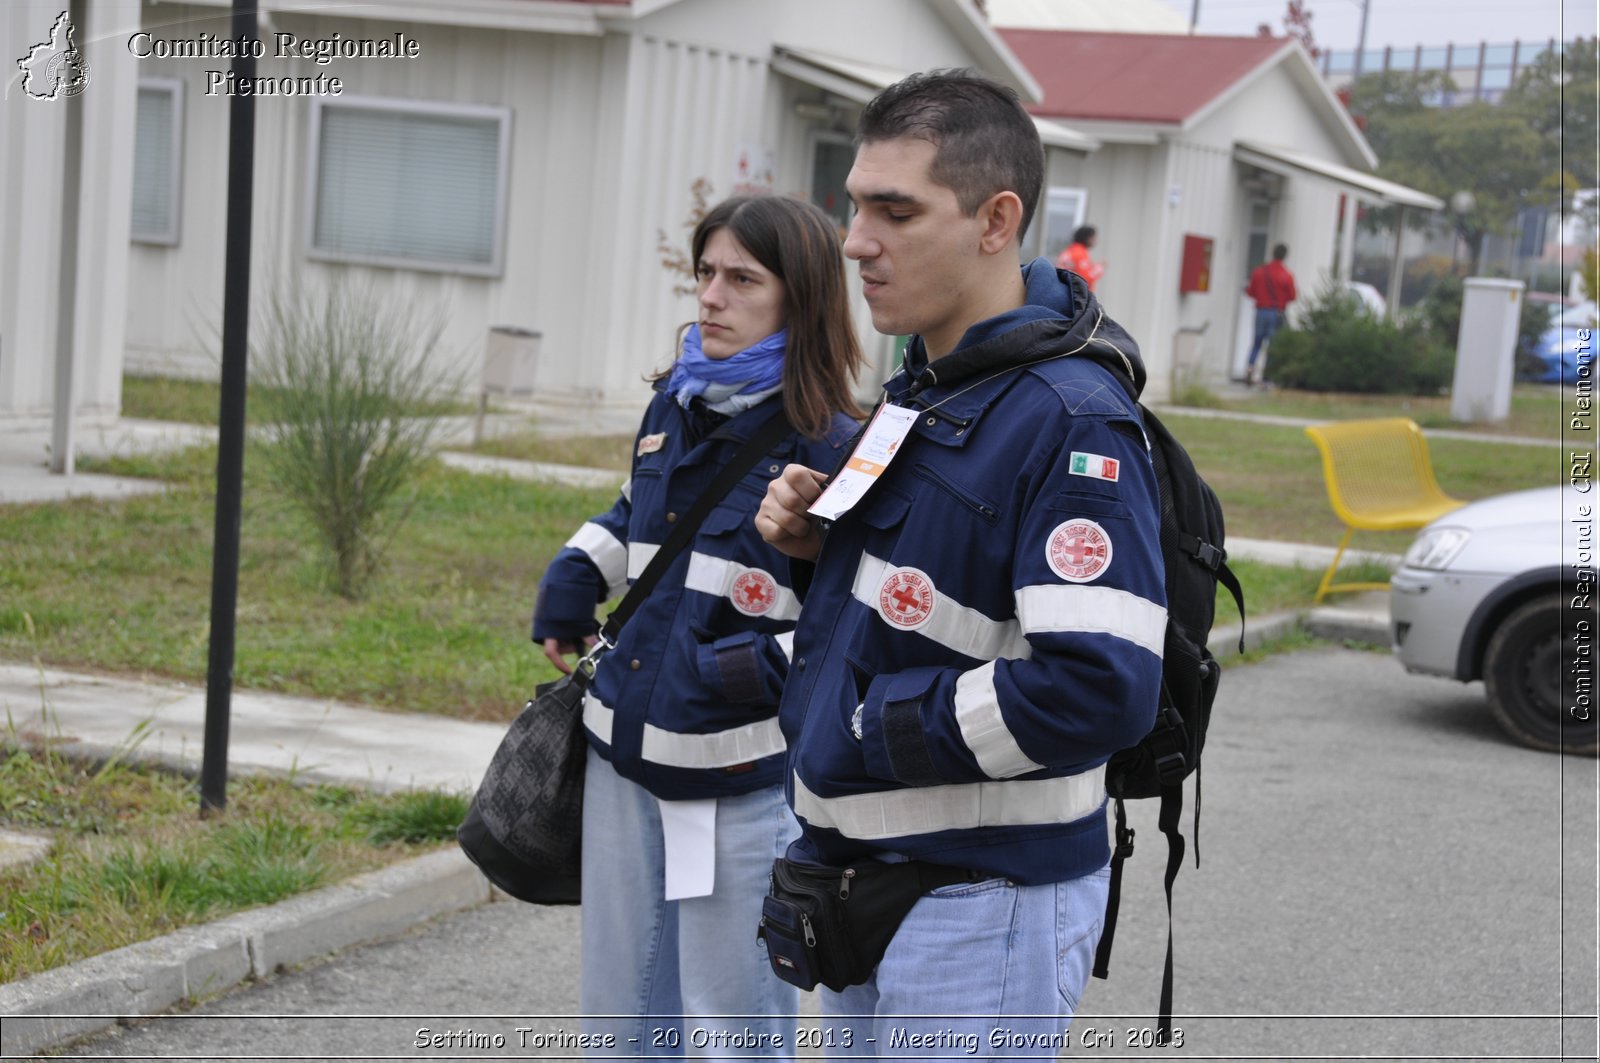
(728, 385)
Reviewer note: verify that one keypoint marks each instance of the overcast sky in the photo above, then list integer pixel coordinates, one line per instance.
(1336, 24)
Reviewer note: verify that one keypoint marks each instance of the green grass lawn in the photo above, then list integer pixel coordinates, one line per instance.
(131, 858)
(1269, 478)
(160, 398)
(599, 452)
(1536, 409)
(125, 586)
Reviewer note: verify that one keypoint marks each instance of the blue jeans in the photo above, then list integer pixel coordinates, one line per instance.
(1268, 321)
(662, 968)
(993, 969)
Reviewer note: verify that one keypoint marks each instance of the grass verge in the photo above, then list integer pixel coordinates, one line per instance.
(161, 398)
(132, 860)
(124, 586)
(1535, 408)
(1269, 477)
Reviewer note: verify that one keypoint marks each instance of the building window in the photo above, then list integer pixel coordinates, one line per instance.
(415, 185)
(157, 161)
(1054, 225)
(832, 155)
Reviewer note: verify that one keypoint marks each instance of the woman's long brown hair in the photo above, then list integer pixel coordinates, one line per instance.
(798, 243)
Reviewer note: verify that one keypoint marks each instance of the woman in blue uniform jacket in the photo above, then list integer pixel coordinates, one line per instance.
(684, 809)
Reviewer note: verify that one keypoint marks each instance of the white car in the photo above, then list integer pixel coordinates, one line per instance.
(1367, 297)
(1496, 591)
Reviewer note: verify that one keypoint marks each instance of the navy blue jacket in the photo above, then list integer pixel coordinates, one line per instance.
(994, 607)
(686, 704)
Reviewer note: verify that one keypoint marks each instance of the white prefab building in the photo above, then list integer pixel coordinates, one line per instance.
(1212, 150)
(513, 163)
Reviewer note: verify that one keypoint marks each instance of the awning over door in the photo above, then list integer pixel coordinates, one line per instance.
(1365, 185)
(858, 82)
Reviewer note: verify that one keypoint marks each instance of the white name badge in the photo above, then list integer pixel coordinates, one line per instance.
(879, 444)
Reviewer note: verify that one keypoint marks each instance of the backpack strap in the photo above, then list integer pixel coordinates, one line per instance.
(1213, 557)
(1171, 813)
(1124, 849)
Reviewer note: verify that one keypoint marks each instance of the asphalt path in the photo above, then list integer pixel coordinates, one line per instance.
(1382, 876)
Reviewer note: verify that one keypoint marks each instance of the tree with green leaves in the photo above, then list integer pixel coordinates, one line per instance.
(1556, 94)
(1496, 153)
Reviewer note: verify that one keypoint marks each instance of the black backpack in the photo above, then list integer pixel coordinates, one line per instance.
(1192, 547)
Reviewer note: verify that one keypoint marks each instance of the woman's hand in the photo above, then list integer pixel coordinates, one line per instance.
(557, 649)
(782, 519)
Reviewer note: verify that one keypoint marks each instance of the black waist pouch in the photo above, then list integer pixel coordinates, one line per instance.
(833, 924)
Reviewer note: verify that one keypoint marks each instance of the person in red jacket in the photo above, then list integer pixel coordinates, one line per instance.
(1076, 256)
(1272, 287)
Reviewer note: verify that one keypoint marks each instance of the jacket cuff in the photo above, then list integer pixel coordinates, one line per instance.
(893, 743)
(564, 611)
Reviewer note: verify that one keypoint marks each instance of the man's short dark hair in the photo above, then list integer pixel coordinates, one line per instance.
(985, 141)
(1280, 252)
(1083, 234)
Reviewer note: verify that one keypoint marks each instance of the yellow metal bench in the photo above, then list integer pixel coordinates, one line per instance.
(1379, 479)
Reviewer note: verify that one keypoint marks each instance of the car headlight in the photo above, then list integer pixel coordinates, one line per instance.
(1435, 548)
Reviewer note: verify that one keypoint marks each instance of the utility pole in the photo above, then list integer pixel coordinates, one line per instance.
(1361, 36)
(1194, 16)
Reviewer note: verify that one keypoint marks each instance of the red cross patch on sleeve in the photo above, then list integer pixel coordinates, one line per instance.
(1078, 550)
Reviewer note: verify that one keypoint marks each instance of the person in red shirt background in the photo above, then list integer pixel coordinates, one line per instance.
(1076, 256)
(1272, 287)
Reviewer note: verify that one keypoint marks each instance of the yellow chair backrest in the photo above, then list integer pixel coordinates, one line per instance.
(1378, 474)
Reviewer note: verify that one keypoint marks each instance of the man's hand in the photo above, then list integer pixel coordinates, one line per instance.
(557, 649)
(782, 519)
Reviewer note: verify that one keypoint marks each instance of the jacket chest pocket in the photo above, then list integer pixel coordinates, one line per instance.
(969, 500)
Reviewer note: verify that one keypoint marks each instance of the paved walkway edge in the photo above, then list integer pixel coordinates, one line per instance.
(201, 961)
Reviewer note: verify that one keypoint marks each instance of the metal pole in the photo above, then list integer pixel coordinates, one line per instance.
(1361, 37)
(61, 421)
(1194, 15)
(1397, 267)
(230, 443)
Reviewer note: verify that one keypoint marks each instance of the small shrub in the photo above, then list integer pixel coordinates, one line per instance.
(1589, 275)
(1339, 346)
(353, 404)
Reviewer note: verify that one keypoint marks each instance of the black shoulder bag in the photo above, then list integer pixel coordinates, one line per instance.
(524, 828)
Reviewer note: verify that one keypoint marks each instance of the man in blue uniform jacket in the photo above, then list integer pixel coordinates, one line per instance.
(983, 626)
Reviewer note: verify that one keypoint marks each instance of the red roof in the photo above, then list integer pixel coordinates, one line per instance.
(1134, 77)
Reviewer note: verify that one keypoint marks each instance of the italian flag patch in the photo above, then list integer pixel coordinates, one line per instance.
(1096, 465)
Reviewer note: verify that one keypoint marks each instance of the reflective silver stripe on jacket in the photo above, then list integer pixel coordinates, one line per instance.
(719, 749)
(1079, 607)
(607, 553)
(785, 643)
(983, 726)
(952, 625)
(715, 576)
(959, 806)
(639, 555)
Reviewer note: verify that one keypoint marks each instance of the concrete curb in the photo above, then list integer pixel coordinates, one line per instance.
(200, 961)
(1347, 625)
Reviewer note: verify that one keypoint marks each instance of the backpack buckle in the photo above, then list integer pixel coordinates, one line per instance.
(1171, 767)
(1209, 555)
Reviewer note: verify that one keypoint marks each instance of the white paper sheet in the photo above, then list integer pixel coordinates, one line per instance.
(689, 831)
